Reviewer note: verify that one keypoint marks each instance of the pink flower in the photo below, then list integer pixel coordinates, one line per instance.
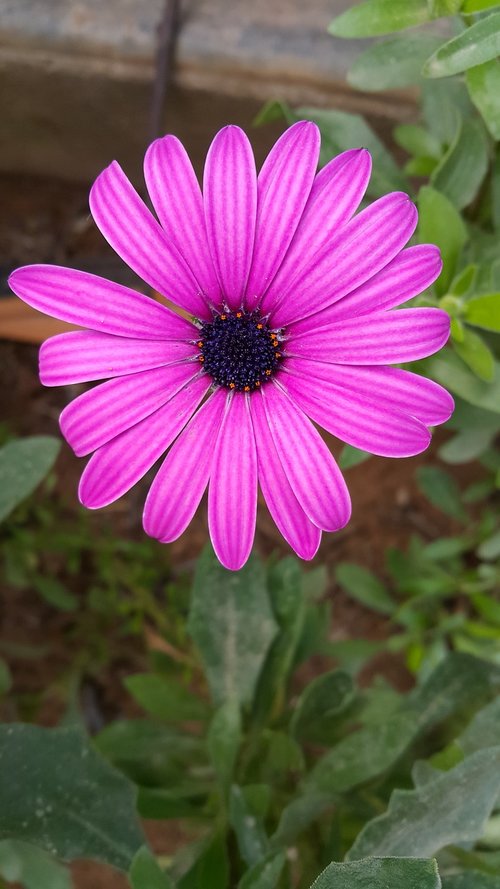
(290, 296)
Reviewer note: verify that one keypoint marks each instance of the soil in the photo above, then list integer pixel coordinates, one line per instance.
(49, 222)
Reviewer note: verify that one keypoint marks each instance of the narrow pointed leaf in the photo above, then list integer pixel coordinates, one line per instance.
(474, 46)
(381, 873)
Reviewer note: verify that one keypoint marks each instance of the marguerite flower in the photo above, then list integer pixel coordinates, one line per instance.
(291, 298)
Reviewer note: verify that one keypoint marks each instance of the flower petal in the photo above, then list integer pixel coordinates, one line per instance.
(379, 338)
(230, 199)
(105, 411)
(94, 302)
(176, 197)
(284, 185)
(119, 464)
(357, 418)
(406, 276)
(135, 235)
(285, 509)
(84, 355)
(232, 491)
(335, 196)
(181, 480)
(362, 247)
(398, 390)
(310, 467)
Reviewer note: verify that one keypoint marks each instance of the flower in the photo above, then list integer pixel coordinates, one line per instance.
(290, 297)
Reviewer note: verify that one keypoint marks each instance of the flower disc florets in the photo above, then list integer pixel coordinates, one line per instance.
(239, 350)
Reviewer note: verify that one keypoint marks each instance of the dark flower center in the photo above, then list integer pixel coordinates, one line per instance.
(239, 350)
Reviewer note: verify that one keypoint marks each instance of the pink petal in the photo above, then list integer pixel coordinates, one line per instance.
(135, 235)
(406, 276)
(94, 302)
(335, 196)
(180, 483)
(232, 492)
(105, 411)
(357, 418)
(362, 247)
(84, 355)
(380, 338)
(230, 199)
(290, 518)
(177, 199)
(390, 387)
(284, 184)
(310, 468)
(118, 465)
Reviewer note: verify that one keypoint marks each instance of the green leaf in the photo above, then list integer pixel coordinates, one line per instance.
(341, 131)
(490, 548)
(475, 45)
(32, 867)
(382, 873)
(417, 141)
(380, 17)
(210, 869)
(363, 586)
(149, 753)
(224, 739)
(442, 491)
(477, 355)
(398, 60)
(252, 840)
(321, 703)
(464, 281)
(444, 104)
(299, 815)
(24, 463)
(146, 873)
(460, 173)
(52, 787)
(483, 83)
(229, 611)
(484, 311)
(448, 369)
(55, 593)
(351, 456)
(165, 699)
(483, 730)
(466, 446)
(441, 224)
(471, 6)
(451, 809)
(264, 875)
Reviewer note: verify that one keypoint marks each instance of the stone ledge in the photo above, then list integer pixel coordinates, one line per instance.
(76, 76)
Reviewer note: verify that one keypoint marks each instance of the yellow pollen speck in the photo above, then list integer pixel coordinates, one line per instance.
(223, 317)
(268, 373)
(260, 326)
(247, 389)
(257, 382)
(239, 314)
(199, 343)
(201, 358)
(277, 354)
(232, 385)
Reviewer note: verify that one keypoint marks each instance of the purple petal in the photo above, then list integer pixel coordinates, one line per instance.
(362, 247)
(135, 235)
(94, 302)
(232, 492)
(310, 468)
(379, 338)
(84, 355)
(180, 483)
(177, 199)
(390, 387)
(406, 276)
(290, 518)
(284, 185)
(357, 418)
(230, 199)
(335, 196)
(105, 411)
(118, 465)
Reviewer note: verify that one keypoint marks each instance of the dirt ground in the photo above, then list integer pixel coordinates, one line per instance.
(49, 222)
